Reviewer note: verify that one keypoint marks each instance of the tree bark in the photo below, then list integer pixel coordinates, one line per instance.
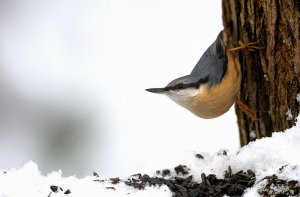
(271, 75)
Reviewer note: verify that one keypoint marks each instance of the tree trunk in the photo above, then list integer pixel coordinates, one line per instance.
(271, 75)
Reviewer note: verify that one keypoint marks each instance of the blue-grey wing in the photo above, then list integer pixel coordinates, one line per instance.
(212, 65)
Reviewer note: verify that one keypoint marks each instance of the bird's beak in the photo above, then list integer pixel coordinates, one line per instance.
(156, 90)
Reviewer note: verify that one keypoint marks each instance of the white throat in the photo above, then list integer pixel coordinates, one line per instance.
(184, 96)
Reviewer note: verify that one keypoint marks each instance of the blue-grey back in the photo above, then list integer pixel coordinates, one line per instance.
(213, 63)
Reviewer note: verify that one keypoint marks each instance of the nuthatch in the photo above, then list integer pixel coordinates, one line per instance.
(212, 87)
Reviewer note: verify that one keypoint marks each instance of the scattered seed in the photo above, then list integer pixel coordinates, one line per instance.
(181, 169)
(145, 178)
(95, 174)
(280, 187)
(199, 156)
(111, 188)
(67, 191)
(55, 188)
(115, 180)
(166, 172)
(282, 167)
(203, 178)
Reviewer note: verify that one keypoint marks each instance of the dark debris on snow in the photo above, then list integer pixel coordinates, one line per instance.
(182, 184)
(57, 189)
(279, 187)
(185, 186)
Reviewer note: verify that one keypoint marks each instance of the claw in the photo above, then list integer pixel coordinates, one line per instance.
(251, 46)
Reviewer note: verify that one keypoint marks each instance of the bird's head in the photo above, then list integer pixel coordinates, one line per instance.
(181, 90)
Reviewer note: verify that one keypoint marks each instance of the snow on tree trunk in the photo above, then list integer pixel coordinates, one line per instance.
(271, 76)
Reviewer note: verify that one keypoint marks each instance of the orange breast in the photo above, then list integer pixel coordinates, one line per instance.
(215, 101)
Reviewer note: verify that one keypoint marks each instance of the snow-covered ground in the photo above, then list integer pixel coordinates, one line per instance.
(278, 155)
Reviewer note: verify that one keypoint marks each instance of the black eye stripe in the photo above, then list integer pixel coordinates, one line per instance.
(181, 86)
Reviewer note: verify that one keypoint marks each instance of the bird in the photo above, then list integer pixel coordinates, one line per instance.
(213, 85)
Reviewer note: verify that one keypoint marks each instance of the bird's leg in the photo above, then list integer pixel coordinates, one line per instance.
(246, 109)
(251, 46)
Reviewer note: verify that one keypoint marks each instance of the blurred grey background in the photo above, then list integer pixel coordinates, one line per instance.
(72, 80)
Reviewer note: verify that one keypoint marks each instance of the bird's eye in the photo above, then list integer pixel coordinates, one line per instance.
(180, 86)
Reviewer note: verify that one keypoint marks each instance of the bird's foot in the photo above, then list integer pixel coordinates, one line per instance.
(246, 109)
(251, 46)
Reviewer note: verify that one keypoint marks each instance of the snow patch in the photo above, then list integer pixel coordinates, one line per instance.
(252, 135)
(289, 115)
(298, 97)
